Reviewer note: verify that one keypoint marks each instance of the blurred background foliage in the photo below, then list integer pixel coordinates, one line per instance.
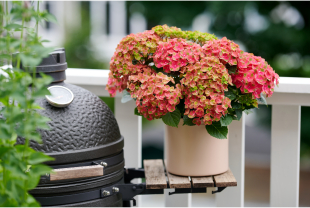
(79, 52)
(277, 31)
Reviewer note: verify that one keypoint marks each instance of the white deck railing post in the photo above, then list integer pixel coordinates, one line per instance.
(234, 196)
(131, 128)
(176, 200)
(285, 154)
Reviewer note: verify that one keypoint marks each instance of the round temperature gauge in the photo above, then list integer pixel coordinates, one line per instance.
(60, 96)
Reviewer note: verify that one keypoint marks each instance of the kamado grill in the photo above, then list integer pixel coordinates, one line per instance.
(85, 140)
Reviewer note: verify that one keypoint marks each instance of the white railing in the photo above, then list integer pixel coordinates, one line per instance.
(285, 138)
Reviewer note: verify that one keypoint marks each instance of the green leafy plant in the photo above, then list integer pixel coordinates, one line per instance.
(20, 165)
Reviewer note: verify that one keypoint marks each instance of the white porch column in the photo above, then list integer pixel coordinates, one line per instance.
(176, 200)
(234, 196)
(285, 156)
(131, 128)
(117, 18)
(98, 17)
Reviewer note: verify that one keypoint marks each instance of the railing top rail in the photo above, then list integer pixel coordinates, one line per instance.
(100, 77)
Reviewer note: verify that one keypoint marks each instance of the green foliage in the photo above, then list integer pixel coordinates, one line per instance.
(239, 102)
(262, 99)
(109, 101)
(79, 52)
(137, 112)
(231, 69)
(226, 120)
(20, 165)
(188, 121)
(126, 97)
(172, 118)
(217, 130)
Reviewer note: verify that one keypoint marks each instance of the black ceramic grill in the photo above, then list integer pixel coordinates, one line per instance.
(85, 140)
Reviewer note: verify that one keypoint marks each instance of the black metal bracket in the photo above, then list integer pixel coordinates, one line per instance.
(132, 173)
(188, 190)
(219, 189)
(129, 191)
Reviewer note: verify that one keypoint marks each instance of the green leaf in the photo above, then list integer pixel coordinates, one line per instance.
(235, 105)
(50, 18)
(31, 201)
(40, 93)
(230, 95)
(33, 181)
(226, 120)
(5, 130)
(126, 97)
(181, 106)
(29, 61)
(40, 169)
(248, 111)
(188, 121)
(12, 26)
(262, 99)
(4, 150)
(172, 118)
(231, 69)
(5, 56)
(235, 118)
(217, 131)
(238, 114)
(38, 157)
(41, 51)
(157, 69)
(137, 112)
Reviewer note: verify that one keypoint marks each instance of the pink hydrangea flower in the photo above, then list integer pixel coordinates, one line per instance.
(204, 85)
(154, 97)
(176, 53)
(133, 48)
(255, 76)
(225, 50)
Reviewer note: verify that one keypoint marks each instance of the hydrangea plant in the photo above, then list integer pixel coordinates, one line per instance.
(174, 74)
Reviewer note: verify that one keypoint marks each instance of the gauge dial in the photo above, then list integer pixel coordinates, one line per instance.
(60, 96)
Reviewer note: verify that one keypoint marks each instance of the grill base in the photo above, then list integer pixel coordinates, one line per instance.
(112, 201)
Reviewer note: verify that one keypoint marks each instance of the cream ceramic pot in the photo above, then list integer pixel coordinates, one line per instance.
(191, 151)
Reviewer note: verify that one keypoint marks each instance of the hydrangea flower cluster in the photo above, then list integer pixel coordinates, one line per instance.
(132, 50)
(174, 74)
(226, 50)
(176, 53)
(255, 76)
(204, 85)
(173, 32)
(165, 32)
(154, 97)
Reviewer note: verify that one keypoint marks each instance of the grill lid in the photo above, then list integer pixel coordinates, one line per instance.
(84, 130)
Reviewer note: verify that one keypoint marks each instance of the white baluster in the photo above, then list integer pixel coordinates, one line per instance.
(285, 154)
(117, 18)
(234, 196)
(131, 128)
(176, 200)
(98, 18)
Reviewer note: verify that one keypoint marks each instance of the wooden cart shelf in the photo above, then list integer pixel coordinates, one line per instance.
(157, 177)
